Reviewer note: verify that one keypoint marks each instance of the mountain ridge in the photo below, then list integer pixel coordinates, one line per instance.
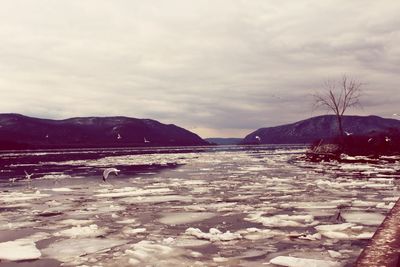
(18, 131)
(319, 127)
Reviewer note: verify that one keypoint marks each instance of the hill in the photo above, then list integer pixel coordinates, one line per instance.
(22, 132)
(321, 127)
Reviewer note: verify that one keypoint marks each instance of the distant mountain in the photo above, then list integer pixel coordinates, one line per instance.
(22, 132)
(224, 141)
(309, 130)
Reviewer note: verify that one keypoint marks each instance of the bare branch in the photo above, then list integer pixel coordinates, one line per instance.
(339, 96)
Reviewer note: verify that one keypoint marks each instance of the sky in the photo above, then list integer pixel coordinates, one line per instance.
(220, 68)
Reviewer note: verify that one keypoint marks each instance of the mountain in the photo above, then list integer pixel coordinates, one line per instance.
(224, 141)
(325, 127)
(22, 132)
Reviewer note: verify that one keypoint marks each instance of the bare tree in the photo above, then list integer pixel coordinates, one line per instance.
(338, 96)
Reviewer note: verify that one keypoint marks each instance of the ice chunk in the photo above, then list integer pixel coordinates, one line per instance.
(17, 196)
(365, 218)
(19, 250)
(344, 231)
(283, 220)
(133, 231)
(334, 227)
(152, 254)
(384, 206)
(75, 222)
(158, 199)
(127, 221)
(67, 250)
(255, 233)
(133, 191)
(213, 234)
(189, 242)
(220, 259)
(334, 254)
(62, 189)
(302, 262)
(185, 217)
(86, 231)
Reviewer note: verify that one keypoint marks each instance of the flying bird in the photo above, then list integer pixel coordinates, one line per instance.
(145, 140)
(119, 136)
(12, 180)
(28, 176)
(347, 133)
(258, 138)
(369, 140)
(108, 171)
(387, 139)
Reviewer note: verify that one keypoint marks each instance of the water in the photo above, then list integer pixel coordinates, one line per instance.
(206, 206)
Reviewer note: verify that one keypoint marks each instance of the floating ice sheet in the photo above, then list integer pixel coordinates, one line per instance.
(185, 217)
(213, 235)
(67, 250)
(302, 262)
(365, 218)
(19, 250)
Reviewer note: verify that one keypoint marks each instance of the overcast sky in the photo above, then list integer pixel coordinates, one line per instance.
(216, 67)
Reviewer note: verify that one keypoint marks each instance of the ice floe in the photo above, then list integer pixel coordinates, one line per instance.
(213, 234)
(19, 196)
(158, 199)
(365, 218)
(344, 231)
(69, 249)
(19, 250)
(185, 217)
(132, 191)
(302, 262)
(82, 231)
(75, 222)
(62, 189)
(283, 220)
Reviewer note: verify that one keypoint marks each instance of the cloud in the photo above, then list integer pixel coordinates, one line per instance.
(226, 66)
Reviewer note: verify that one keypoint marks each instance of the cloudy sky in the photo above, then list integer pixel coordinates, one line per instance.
(216, 67)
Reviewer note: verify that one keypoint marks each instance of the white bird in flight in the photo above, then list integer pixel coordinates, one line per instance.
(28, 176)
(347, 133)
(258, 138)
(145, 140)
(119, 136)
(108, 171)
(387, 139)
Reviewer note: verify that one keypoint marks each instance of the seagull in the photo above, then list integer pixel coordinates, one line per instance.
(107, 172)
(369, 140)
(387, 139)
(28, 176)
(347, 133)
(12, 180)
(145, 140)
(119, 136)
(258, 138)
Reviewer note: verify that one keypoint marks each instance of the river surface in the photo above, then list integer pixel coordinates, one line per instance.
(206, 206)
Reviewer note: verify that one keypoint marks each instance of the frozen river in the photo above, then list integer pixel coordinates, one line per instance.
(230, 206)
